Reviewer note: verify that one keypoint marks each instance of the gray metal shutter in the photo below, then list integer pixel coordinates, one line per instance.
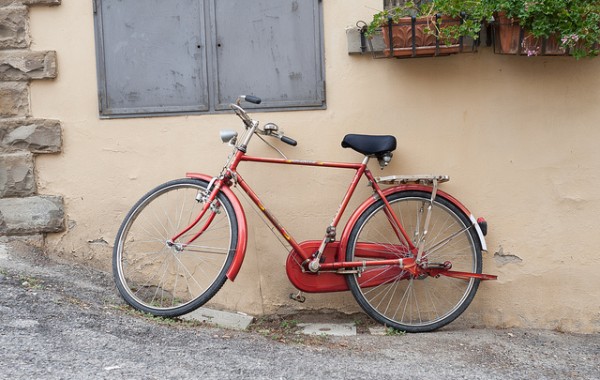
(152, 56)
(269, 48)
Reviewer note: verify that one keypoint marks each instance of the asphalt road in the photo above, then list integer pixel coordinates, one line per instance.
(61, 321)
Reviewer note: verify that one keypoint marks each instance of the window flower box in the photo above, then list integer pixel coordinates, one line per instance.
(420, 37)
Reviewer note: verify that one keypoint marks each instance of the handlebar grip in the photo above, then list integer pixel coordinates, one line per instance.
(288, 140)
(252, 99)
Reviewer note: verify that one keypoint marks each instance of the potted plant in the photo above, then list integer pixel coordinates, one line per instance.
(547, 27)
(435, 27)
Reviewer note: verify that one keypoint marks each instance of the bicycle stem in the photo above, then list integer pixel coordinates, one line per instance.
(249, 133)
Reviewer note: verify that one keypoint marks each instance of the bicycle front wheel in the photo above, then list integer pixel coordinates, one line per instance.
(395, 297)
(164, 279)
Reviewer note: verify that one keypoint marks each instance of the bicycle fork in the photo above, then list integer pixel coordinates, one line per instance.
(208, 198)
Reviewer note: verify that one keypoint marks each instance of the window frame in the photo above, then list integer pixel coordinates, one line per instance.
(209, 36)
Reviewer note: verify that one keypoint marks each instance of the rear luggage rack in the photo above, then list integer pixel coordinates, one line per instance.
(423, 179)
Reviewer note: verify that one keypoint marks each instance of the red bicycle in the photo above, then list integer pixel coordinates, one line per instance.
(410, 253)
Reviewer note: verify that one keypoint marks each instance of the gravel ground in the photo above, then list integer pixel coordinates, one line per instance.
(62, 321)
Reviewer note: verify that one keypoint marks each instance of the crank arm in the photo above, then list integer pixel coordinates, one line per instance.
(466, 275)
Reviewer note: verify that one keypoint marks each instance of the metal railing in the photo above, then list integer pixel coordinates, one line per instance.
(387, 4)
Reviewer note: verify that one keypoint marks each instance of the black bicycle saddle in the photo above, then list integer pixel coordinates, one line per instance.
(370, 145)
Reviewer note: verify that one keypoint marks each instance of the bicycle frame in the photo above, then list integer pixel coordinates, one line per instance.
(360, 171)
(310, 259)
(360, 168)
(305, 250)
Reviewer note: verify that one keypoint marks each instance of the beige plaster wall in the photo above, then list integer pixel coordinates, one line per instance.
(518, 136)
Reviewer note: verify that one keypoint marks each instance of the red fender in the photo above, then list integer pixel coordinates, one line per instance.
(242, 242)
(341, 254)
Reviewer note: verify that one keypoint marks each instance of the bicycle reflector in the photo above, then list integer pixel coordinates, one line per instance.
(483, 225)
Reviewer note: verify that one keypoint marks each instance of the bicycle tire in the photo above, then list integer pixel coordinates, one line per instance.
(398, 299)
(163, 280)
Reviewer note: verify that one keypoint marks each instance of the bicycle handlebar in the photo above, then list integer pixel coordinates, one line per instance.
(270, 129)
(248, 98)
(288, 140)
(252, 99)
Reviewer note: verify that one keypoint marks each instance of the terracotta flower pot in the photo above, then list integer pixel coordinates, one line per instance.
(510, 38)
(507, 35)
(412, 37)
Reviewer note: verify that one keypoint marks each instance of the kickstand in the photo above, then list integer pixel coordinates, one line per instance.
(298, 297)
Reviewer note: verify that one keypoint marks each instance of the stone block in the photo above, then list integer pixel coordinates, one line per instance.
(41, 2)
(34, 135)
(332, 329)
(236, 321)
(25, 246)
(17, 175)
(18, 65)
(14, 99)
(14, 27)
(5, 3)
(38, 214)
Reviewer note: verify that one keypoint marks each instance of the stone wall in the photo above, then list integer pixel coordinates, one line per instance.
(25, 215)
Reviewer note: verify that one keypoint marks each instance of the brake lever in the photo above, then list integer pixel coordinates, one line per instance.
(271, 129)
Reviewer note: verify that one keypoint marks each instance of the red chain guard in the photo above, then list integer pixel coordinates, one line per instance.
(326, 282)
(308, 282)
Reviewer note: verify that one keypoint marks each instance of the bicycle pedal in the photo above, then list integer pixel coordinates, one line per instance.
(298, 297)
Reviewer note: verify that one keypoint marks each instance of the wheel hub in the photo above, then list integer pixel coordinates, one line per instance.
(176, 247)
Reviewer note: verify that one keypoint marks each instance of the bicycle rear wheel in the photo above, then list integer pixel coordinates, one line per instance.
(393, 296)
(168, 280)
